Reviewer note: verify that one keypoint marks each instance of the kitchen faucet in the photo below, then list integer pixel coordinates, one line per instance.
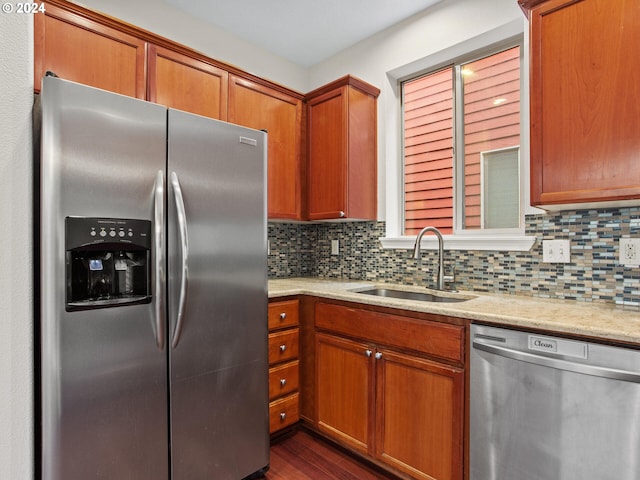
(416, 253)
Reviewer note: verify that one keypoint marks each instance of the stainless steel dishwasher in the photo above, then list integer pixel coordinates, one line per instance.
(548, 408)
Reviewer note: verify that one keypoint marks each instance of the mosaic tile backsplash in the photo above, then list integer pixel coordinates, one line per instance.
(594, 275)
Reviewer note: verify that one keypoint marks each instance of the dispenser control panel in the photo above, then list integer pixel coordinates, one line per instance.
(82, 231)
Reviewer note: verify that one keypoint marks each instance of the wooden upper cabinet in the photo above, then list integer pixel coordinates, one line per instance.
(585, 102)
(256, 105)
(342, 150)
(185, 83)
(77, 48)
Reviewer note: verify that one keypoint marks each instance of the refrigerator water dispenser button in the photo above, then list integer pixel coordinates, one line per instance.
(95, 264)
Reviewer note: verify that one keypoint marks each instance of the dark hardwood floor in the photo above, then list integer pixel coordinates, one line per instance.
(303, 456)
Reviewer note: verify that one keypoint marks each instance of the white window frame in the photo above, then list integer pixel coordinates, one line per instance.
(491, 239)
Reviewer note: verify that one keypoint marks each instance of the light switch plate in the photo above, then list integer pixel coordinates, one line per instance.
(335, 247)
(556, 251)
(630, 252)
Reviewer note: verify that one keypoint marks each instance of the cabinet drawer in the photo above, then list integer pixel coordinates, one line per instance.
(433, 338)
(283, 412)
(283, 314)
(283, 346)
(283, 379)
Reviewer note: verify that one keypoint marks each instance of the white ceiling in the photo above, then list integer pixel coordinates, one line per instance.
(304, 32)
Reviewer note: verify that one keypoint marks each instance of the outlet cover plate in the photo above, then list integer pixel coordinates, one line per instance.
(556, 251)
(630, 252)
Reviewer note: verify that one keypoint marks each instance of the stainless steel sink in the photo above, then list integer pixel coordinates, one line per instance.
(405, 295)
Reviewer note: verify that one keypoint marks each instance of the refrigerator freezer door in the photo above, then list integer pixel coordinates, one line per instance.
(104, 380)
(218, 349)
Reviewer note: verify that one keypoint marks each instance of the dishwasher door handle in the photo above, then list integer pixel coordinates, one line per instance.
(593, 370)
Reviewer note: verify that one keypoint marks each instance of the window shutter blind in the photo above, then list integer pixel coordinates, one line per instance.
(428, 150)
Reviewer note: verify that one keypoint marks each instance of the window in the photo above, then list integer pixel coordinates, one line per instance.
(500, 195)
(461, 129)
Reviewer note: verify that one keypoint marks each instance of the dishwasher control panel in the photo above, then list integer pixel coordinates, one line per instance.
(558, 346)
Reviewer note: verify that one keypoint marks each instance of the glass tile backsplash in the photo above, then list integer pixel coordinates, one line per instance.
(594, 275)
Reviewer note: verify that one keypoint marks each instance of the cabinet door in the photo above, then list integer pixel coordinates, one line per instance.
(80, 49)
(327, 144)
(188, 84)
(342, 150)
(344, 386)
(257, 106)
(419, 416)
(362, 163)
(585, 101)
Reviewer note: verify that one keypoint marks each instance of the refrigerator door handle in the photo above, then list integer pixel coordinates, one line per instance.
(184, 246)
(158, 236)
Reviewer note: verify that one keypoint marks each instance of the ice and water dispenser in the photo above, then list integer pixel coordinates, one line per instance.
(107, 262)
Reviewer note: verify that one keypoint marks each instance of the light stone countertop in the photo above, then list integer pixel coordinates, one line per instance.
(562, 316)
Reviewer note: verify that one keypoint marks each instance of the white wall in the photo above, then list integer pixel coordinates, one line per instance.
(16, 260)
(445, 24)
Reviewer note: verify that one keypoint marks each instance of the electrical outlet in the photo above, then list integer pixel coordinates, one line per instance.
(630, 252)
(556, 251)
(335, 247)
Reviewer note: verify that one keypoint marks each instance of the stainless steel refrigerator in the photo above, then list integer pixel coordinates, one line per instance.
(152, 332)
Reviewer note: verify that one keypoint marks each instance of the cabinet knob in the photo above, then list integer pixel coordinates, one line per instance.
(368, 353)
(283, 316)
(283, 382)
(283, 416)
(378, 355)
(283, 348)
(342, 214)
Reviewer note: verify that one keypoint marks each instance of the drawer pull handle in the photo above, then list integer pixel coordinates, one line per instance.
(283, 382)
(283, 416)
(283, 348)
(283, 315)
(368, 353)
(378, 356)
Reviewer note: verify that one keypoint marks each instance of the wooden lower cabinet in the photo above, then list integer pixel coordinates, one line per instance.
(419, 416)
(344, 382)
(283, 412)
(284, 379)
(284, 368)
(399, 408)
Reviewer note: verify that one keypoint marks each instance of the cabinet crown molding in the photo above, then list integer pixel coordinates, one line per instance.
(529, 4)
(344, 81)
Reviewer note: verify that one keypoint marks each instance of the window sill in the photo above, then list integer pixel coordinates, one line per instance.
(509, 243)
